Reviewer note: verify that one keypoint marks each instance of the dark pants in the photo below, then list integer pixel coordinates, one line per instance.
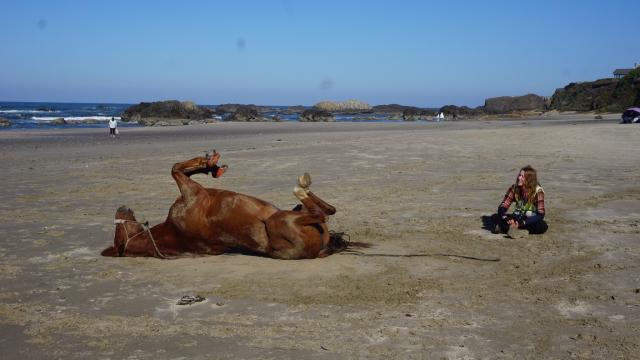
(112, 131)
(537, 228)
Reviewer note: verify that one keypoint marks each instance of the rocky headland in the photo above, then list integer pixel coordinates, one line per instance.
(604, 95)
(170, 112)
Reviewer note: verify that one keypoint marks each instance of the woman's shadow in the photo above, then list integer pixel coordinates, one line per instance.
(489, 223)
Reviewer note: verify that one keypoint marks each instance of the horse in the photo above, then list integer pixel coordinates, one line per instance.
(209, 221)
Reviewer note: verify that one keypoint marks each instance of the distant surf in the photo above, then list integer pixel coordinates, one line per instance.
(30, 115)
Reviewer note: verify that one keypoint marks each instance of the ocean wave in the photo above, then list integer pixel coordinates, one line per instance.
(28, 111)
(74, 118)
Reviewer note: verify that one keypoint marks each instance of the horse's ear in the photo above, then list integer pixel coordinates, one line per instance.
(110, 251)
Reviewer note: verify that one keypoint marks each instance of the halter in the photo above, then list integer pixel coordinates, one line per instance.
(145, 227)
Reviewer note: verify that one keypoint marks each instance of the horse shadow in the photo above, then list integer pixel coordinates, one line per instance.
(338, 242)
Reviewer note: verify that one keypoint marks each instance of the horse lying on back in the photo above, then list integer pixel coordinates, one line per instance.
(214, 221)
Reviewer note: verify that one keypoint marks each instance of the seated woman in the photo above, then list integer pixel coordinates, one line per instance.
(528, 215)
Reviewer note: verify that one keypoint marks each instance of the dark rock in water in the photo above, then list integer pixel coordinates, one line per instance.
(172, 122)
(314, 115)
(297, 109)
(171, 109)
(246, 114)
(460, 112)
(507, 104)
(413, 114)
(58, 121)
(84, 121)
(394, 109)
(4, 122)
(231, 108)
(154, 121)
(609, 95)
(198, 122)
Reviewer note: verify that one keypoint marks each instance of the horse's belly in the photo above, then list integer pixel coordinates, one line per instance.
(232, 226)
(241, 233)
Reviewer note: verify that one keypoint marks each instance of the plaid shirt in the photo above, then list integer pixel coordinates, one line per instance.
(510, 197)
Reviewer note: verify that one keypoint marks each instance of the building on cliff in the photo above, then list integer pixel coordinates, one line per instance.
(620, 73)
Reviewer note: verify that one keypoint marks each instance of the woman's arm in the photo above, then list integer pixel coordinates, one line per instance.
(506, 202)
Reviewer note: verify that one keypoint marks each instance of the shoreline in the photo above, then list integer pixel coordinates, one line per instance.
(343, 125)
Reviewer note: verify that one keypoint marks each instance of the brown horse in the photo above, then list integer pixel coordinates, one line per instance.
(214, 221)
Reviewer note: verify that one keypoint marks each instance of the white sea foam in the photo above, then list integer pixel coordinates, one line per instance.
(28, 111)
(74, 118)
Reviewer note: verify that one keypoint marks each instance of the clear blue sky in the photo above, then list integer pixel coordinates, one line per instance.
(290, 52)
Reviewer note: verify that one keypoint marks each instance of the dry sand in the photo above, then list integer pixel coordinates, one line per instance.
(414, 189)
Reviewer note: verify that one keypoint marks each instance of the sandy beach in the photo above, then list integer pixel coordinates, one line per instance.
(411, 195)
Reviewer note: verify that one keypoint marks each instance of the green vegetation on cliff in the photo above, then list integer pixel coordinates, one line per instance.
(604, 95)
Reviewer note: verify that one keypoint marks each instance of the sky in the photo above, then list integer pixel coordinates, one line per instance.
(295, 52)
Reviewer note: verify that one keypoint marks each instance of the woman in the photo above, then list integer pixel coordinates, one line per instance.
(528, 197)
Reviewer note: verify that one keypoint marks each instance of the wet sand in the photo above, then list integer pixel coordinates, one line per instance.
(411, 193)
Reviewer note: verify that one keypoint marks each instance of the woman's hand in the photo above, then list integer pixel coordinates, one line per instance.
(512, 222)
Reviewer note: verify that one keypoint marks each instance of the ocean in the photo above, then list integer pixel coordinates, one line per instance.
(38, 115)
(47, 115)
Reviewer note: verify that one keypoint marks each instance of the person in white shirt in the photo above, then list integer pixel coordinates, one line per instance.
(113, 125)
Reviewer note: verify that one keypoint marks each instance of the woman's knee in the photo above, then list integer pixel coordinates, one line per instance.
(538, 228)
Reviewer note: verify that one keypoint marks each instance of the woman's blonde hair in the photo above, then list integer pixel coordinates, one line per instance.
(530, 182)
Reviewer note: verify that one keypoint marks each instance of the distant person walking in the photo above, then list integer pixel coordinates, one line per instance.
(113, 127)
(528, 197)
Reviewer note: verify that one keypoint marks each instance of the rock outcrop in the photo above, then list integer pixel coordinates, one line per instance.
(349, 106)
(314, 115)
(392, 109)
(606, 95)
(58, 121)
(151, 113)
(223, 109)
(507, 104)
(290, 110)
(414, 114)
(461, 112)
(246, 114)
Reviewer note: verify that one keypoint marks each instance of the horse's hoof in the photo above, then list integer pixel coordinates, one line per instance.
(217, 171)
(300, 193)
(304, 181)
(212, 158)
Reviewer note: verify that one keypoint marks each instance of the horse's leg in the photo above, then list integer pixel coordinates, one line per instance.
(304, 182)
(181, 172)
(296, 234)
(326, 207)
(315, 211)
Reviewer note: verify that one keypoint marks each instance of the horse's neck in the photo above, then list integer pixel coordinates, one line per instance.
(164, 234)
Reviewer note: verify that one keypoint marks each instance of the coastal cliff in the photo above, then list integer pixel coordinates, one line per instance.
(165, 112)
(604, 95)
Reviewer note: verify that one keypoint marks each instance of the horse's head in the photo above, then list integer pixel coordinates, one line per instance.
(127, 227)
